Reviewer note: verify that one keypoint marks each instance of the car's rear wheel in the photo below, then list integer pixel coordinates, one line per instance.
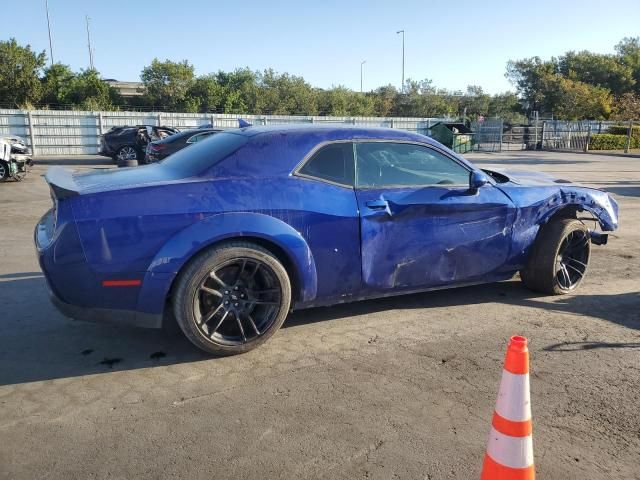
(232, 298)
(560, 257)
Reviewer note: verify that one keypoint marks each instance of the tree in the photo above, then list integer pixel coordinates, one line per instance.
(506, 106)
(528, 77)
(629, 54)
(88, 91)
(167, 83)
(627, 107)
(385, 100)
(207, 94)
(600, 70)
(56, 84)
(20, 69)
(573, 100)
(475, 102)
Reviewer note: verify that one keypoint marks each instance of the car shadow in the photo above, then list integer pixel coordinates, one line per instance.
(37, 343)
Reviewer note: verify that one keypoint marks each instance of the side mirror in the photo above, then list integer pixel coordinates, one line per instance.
(477, 180)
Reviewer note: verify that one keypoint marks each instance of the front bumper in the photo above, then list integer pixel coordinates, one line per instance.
(105, 315)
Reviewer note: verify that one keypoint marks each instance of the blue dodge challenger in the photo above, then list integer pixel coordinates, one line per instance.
(234, 232)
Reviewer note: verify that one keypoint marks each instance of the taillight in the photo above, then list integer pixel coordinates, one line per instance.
(156, 147)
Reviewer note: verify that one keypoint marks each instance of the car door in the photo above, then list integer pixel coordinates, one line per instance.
(421, 225)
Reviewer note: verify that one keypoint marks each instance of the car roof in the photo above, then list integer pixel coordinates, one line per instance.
(334, 131)
(186, 133)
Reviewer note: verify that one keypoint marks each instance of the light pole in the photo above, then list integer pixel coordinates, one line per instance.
(402, 87)
(361, 64)
(46, 6)
(89, 43)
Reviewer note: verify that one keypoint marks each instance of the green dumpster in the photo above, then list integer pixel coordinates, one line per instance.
(457, 136)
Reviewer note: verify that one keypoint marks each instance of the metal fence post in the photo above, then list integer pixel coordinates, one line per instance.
(159, 119)
(213, 120)
(392, 123)
(501, 133)
(100, 124)
(627, 144)
(542, 136)
(586, 145)
(32, 136)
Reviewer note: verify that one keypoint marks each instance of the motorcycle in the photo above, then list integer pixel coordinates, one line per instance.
(15, 158)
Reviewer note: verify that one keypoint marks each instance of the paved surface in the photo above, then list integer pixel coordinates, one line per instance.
(394, 388)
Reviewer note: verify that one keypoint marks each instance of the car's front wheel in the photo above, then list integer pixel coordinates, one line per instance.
(232, 298)
(4, 170)
(560, 256)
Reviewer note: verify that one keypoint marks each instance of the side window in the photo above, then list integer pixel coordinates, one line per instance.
(333, 162)
(382, 164)
(199, 137)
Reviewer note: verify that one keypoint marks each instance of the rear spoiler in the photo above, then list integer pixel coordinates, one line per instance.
(61, 182)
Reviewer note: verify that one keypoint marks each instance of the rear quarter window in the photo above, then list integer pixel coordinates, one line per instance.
(202, 155)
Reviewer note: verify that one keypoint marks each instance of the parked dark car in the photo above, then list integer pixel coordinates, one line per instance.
(229, 235)
(130, 142)
(160, 149)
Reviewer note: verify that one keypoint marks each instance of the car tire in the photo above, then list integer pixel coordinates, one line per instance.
(252, 299)
(4, 171)
(559, 259)
(125, 153)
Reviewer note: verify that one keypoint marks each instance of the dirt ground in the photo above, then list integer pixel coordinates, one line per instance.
(395, 388)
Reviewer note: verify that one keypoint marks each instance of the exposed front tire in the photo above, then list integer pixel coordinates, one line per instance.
(232, 298)
(560, 257)
(4, 170)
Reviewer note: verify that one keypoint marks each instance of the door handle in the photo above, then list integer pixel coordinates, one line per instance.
(377, 204)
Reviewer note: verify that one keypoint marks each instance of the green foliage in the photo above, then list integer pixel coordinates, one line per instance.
(56, 84)
(606, 71)
(581, 85)
(574, 100)
(167, 83)
(20, 69)
(607, 141)
(628, 51)
(624, 130)
(627, 107)
(87, 91)
(576, 85)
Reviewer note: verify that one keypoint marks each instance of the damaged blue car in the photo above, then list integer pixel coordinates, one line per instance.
(230, 235)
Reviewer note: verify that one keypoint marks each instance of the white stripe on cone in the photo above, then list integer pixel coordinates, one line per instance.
(514, 452)
(513, 397)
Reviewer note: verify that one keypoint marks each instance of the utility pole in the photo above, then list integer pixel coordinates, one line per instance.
(46, 6)
(89, 43)
(361, 64)
(402, 87)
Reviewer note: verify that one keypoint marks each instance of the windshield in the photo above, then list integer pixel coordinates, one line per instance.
(201, 156)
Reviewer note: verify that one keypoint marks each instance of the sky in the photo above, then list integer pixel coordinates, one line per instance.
(453, 43)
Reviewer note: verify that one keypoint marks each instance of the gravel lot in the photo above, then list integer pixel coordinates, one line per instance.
(395, 388)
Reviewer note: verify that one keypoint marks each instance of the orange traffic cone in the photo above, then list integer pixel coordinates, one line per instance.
(510, 449)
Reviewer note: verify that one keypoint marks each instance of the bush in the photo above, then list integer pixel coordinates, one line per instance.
(607, 141)
(623, 129)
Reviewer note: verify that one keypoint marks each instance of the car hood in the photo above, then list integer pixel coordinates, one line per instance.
(528, 177)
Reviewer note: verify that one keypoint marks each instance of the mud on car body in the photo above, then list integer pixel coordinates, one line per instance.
(232, 233)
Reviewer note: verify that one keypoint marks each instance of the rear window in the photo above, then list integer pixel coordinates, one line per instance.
(202, 155)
